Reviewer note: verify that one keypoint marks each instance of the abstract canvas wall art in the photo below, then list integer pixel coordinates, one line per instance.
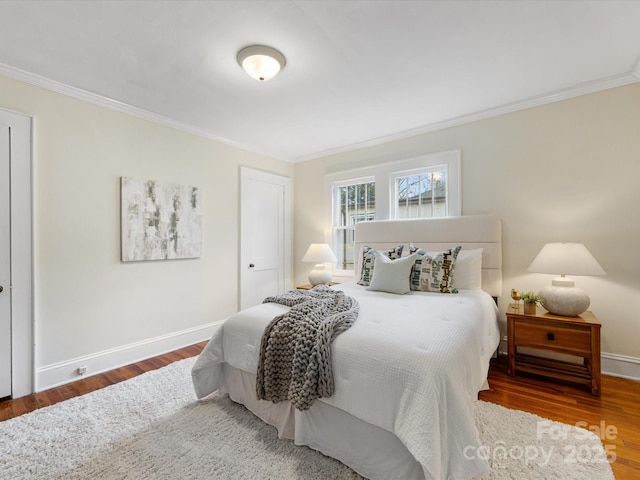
(160, 221)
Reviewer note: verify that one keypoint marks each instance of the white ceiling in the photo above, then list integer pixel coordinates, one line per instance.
(357, 73)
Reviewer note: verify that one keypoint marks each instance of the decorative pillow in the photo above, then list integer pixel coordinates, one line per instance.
(394, 253)
(366, 269)
(392, 276)
(433, 272)
(468, 270)
(368, 257)
(413, 249)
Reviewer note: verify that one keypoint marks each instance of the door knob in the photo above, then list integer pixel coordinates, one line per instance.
(1, 288)
(251, 265)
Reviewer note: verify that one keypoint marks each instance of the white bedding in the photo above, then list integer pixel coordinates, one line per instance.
(411, 365)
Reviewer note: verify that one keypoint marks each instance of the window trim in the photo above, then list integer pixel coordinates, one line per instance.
(381, 174)
(334, 186)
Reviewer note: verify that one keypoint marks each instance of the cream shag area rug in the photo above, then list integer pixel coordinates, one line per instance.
(151, 427)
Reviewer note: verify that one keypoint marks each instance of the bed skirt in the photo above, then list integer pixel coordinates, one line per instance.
(371, 451)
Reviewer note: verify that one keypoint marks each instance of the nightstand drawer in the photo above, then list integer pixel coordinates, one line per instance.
(559, 339)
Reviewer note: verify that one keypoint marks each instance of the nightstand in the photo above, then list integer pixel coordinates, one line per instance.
(308, 286)
(576, 336)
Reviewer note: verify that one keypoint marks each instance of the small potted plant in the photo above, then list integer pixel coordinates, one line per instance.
(531, 301)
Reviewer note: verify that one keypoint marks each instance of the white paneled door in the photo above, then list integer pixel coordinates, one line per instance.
(16, 298)
(5, 264)
(265, 252)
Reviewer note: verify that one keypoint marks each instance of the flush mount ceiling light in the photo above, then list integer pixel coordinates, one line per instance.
(261, 62)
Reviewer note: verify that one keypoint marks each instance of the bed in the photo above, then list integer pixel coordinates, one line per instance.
(406, 373)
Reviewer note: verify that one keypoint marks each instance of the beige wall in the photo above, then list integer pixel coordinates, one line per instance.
(567, 171)
(86, 300)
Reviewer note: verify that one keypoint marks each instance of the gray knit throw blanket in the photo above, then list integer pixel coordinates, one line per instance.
(295, 352)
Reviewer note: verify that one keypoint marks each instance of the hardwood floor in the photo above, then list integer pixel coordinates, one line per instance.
(20, 406)
(618, 409)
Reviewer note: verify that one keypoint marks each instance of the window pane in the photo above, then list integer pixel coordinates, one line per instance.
(354, 203)
(343, 248)
(439, 180)
(422, 195)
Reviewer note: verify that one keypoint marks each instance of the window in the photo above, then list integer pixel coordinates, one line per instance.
(354, 201)
(426, 186)
(419, 193)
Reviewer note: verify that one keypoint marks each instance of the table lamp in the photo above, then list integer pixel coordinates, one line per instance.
(563, 297)
(319, 253)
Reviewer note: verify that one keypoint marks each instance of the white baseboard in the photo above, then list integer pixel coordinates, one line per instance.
(621, 366)
(61, 373)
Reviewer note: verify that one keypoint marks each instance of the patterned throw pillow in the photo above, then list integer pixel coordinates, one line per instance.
(413, 249)
(394, 253)
(368, 261)
(433, 272)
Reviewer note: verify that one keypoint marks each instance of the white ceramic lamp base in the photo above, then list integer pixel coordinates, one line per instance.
(562, 298)
(319, 275)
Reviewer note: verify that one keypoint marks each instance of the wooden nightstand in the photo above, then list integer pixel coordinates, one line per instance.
(308, 286)
(576, 336)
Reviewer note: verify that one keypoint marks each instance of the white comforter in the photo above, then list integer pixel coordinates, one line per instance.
(411, 364)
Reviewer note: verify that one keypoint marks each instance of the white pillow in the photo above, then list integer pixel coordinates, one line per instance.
(391, 276)
(468, 272)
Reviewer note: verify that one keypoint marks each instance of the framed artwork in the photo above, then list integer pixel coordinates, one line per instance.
(160, 221)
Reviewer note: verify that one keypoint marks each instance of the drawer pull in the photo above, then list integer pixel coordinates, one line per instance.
(551, 336)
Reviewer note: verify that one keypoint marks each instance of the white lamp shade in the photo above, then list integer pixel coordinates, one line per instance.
(565, 259)
(562, 297)
(319, 253)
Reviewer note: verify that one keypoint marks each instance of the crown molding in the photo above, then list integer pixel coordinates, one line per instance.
(102, 101)
(577, 91)
(582, 89)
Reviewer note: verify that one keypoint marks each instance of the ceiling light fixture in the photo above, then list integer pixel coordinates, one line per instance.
(261, 62)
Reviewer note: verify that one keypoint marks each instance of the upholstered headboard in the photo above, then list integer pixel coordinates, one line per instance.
(437, 234)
